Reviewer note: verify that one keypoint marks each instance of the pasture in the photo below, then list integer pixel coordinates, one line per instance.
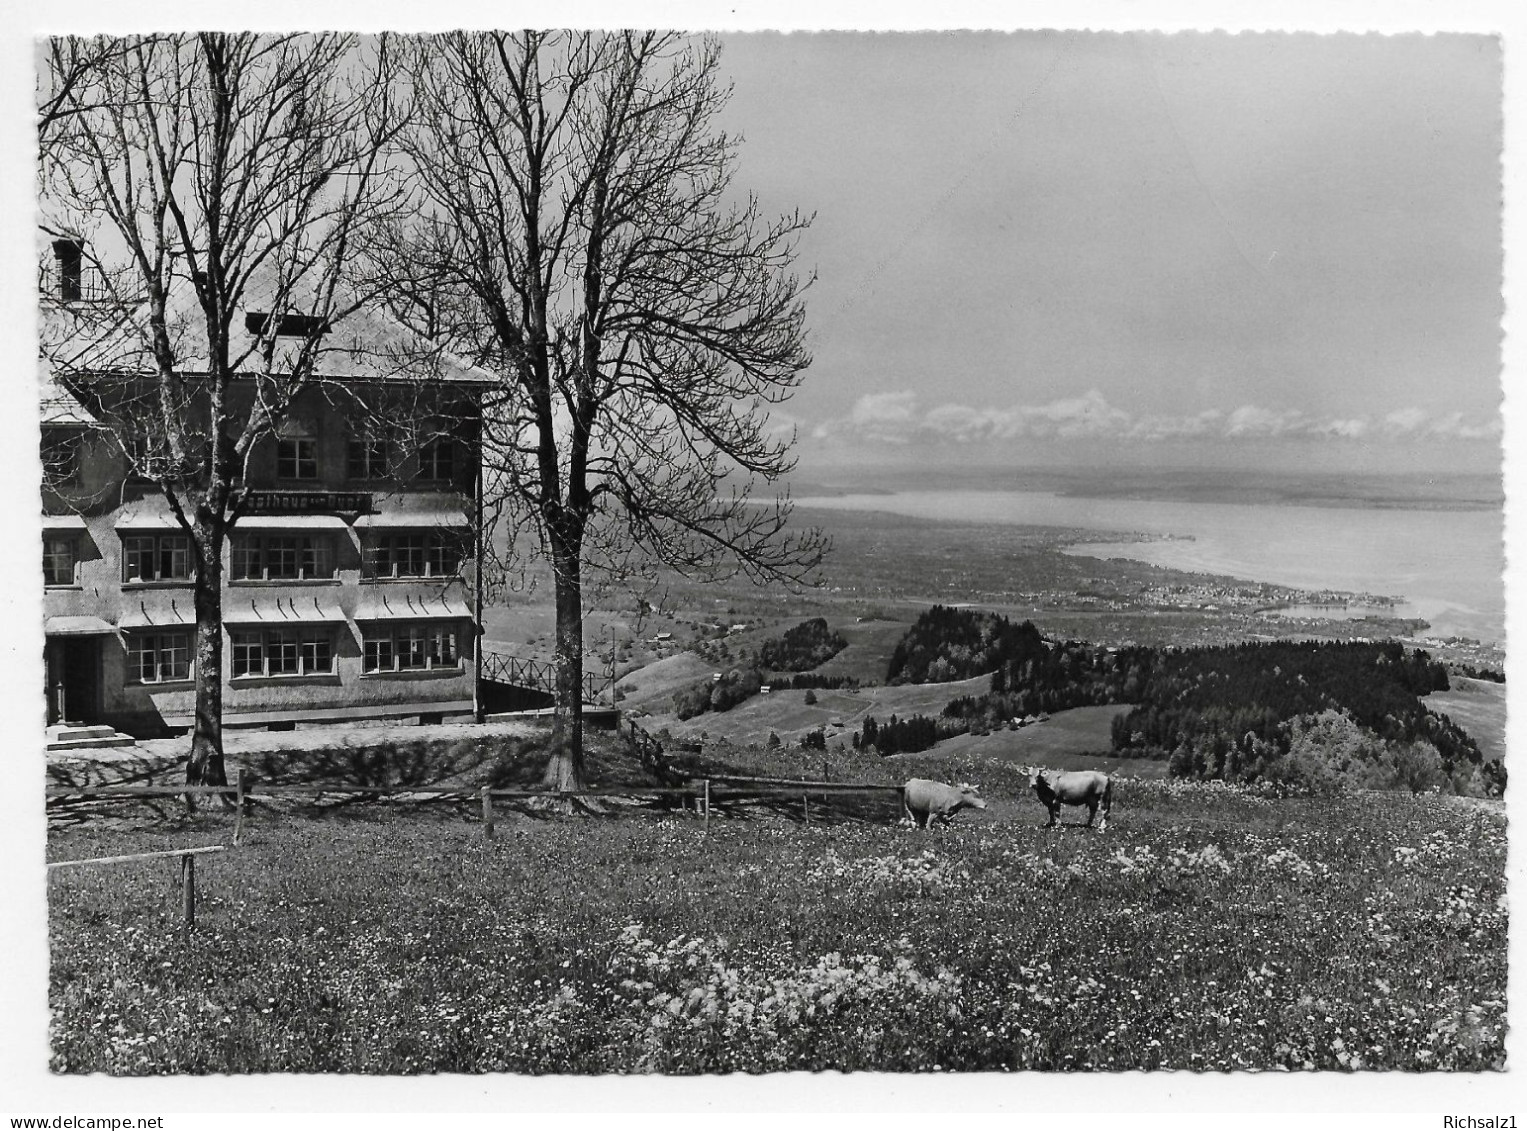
(1078, 739)
(1209, 928)
(1479, 706)
(787, 713)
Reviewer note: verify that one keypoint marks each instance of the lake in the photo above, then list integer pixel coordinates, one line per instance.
(1446, 564)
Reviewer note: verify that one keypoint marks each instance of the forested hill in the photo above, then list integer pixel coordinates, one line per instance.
(808, 645)
(1242, 689)
(1217, 712)
(947, 644)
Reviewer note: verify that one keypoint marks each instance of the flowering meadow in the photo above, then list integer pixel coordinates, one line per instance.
(1208, 928)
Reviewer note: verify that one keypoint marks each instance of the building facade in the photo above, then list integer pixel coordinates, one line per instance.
(349, 577)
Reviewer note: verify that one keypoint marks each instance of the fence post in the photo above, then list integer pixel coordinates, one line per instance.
(238, 816)
(487, 813)
(707, 804)
(806, 805)
(188, 888)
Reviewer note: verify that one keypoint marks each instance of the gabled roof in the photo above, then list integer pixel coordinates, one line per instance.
(59, 408)
(366, 345)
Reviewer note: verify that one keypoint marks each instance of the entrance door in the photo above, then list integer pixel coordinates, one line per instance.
(74, 686)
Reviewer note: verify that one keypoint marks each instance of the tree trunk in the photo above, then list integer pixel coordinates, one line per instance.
(206, 763)
(564, 769)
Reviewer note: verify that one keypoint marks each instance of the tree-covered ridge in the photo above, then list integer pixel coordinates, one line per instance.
(800, 648)
(808, 645)
(1220, 712)
(1030, 674)
(1242, 690)
(947, 644)
(735, 686)
(904, 736)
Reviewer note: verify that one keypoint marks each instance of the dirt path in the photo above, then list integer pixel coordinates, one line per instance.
(318, 737)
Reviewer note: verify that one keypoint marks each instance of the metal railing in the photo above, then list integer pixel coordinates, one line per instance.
(84, 284)
(540, 675)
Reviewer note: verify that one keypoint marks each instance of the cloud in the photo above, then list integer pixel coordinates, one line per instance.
(964, 424)
(899, 417)
(1152, 428)
(884, 408)
(1453, 426)
(1404, 422)
(1412, 423)
(1253, 420)
(1354, 429)
(781, 425)
(887, 418)
(1089, 415)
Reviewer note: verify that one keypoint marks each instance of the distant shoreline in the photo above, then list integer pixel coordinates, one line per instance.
(1414, 491)
(1234, 497)
(1436, 563)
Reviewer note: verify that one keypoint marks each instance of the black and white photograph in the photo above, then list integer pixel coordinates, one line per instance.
(652, 553)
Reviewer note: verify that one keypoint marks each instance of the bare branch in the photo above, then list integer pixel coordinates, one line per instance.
(573, 228)
(196, 180)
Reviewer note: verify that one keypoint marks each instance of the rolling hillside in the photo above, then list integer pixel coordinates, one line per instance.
(1479, 706)
(787, 714)
(1078, 739)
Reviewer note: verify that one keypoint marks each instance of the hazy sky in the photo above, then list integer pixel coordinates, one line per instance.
(1163, 248)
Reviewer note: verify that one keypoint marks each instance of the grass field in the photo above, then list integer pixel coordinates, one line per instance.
(1479, 706)
(1079, 739)
(870, 644)
(787, 713)
(1207, 928)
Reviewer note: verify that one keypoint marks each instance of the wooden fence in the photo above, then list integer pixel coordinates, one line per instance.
(187, 871)
(703, 791)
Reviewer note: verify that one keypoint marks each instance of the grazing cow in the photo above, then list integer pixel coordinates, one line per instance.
(926, 801)
(1091, 788)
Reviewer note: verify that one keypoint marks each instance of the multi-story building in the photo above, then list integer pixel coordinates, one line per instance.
(350, 576)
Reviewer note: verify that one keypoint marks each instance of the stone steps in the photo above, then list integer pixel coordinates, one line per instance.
(65, 737)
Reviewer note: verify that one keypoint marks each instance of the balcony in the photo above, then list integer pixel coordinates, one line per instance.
(82, 284)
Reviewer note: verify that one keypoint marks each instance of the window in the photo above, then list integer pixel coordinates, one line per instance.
(61, 449)
(411, 646)
(281, 657)
(248, 653)
(69, 255)
(378, 651)
(367, 458)
(414, 646)
(158, 657)
(156, 557)
(437, 460)
(287, 325)
(434, 554)
(58, 560)
(283, 651)
(282, 557)
(442, 650)
(297, 458)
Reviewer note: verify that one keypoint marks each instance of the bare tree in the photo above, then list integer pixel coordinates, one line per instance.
(208, 190)
(576, 232)
(72, 61)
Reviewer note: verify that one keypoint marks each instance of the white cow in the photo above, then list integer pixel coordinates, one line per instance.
(926, 801)
(1091, 788)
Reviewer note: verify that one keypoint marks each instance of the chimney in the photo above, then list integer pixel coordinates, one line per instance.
(70, 255)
